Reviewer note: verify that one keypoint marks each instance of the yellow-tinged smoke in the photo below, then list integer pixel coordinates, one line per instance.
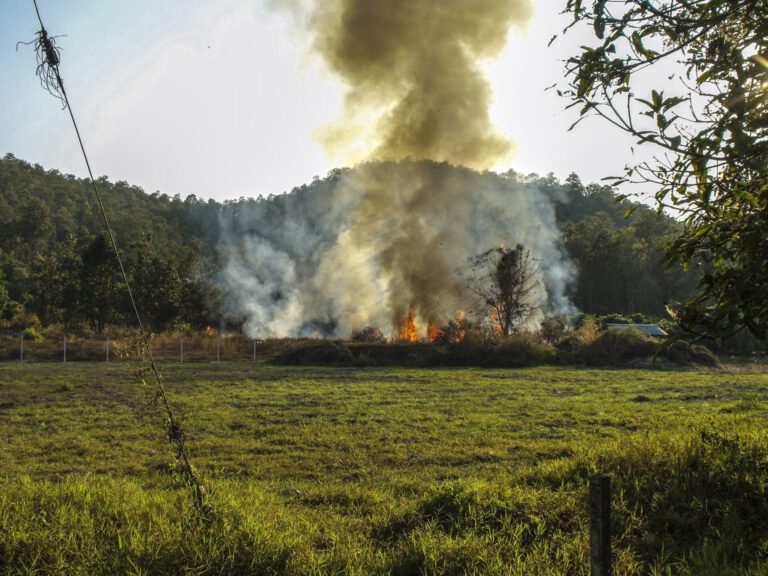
(391, 239)
(414, 88)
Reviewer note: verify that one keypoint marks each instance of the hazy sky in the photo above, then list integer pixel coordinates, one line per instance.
(221, 98)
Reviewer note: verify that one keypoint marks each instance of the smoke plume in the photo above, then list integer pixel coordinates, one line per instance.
(395, 234)
(413, 85)
(368, 244)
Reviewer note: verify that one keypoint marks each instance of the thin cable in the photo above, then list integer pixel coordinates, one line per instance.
(175, 432)
(38, 15)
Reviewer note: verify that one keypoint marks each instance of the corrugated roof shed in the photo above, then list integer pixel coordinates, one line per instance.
(649, 329)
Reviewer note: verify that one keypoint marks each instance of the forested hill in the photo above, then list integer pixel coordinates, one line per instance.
(617, 247)
(56, 266)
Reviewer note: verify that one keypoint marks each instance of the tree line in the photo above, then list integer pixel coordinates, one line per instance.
(57, 266)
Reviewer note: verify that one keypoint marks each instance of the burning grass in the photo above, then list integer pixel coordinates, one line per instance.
(381, 470)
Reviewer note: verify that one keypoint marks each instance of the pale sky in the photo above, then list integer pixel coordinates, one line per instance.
(221, 98)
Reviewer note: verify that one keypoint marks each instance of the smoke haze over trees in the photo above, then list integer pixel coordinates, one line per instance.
(368, 245)
(179, 253)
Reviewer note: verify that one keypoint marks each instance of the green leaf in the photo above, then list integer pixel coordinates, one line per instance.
(637, 43)
(657, 98)
(645, 102)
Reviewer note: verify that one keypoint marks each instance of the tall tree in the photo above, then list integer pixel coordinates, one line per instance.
(711, 127)
(101, 288)
(4, 296)
(157, 287)
(507, 280)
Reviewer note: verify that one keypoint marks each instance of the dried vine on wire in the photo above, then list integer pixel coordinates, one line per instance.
(48, 57)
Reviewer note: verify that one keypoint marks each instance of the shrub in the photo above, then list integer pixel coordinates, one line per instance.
(588, 331)
(516, 350)
(418, 354)
(20, 318)
(31, 333)
(685, 354)
(321, 353)
(523, 349)
(613, 319)
(613, 348)
(453, 332)
(553, 329)
(369, 334)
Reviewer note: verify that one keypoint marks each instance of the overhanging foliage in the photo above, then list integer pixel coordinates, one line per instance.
(712, 135)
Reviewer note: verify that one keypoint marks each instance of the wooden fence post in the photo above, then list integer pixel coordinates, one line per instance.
(254, 349)
(65, 348)
(600, 524)
(218, 346)
(107, 349)
(181, 350)
(21, 348)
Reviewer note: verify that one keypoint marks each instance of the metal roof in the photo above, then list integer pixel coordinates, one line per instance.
(649, 329)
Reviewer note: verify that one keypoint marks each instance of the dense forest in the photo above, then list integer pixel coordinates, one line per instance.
(57, 267)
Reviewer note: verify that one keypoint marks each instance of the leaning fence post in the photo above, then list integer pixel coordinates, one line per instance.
(600, 524)
(21, 348)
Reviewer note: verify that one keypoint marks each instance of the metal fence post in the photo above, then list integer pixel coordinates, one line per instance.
(600, 524)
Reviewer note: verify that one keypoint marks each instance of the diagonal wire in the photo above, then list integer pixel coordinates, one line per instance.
(175, 432)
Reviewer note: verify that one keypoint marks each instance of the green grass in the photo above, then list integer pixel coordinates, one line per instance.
(381, 471)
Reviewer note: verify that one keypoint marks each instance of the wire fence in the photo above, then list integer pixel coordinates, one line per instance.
(199, 347)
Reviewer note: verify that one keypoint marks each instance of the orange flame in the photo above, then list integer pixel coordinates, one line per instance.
(409, 333)
(432, 331)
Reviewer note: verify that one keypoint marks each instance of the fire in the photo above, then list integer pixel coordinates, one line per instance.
(409, 333)
(432, 331)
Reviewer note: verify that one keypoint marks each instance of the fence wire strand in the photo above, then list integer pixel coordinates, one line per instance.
(49, 59)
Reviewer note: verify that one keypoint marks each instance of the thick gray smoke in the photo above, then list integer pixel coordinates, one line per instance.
(364, 247)
(394, 235)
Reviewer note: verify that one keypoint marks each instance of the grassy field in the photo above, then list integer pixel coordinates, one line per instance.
(381, 471)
